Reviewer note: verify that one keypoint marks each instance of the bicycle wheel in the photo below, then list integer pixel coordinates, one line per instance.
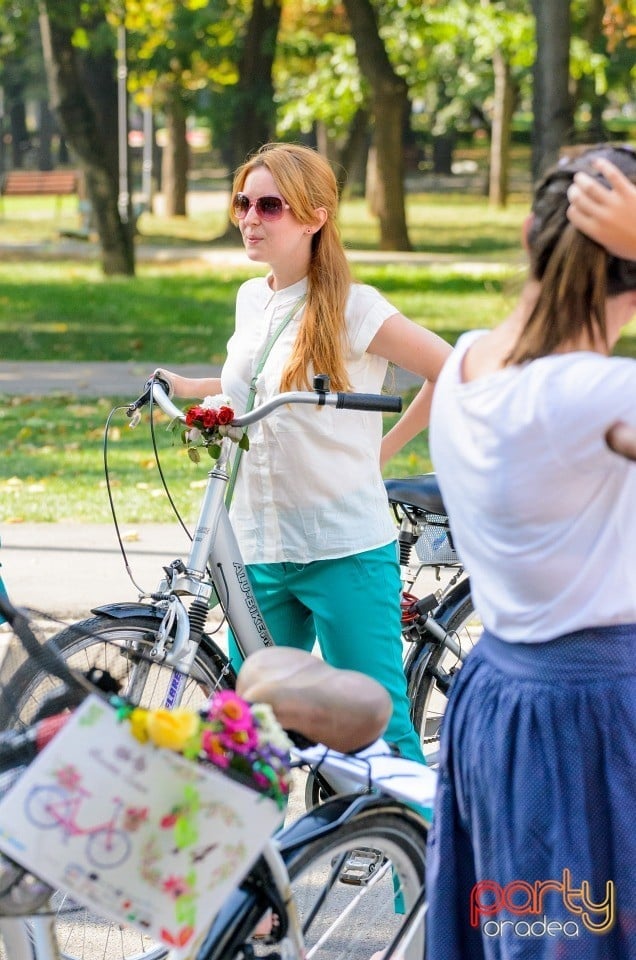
(119, 647)
(344, 920)
(426, 691)
(40, 806)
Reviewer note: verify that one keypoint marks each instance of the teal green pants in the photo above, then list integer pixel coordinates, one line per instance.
(351, 606)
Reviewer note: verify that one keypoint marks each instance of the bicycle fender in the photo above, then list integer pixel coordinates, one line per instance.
(448, 607)
(120, 611)
(123, 610)
(331, 814)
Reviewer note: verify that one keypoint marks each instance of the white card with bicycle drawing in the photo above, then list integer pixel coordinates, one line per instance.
(135, 833)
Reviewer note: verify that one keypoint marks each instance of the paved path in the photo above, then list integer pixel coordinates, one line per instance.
(114, 379)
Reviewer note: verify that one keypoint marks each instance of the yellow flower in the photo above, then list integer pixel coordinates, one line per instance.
(138, 726)
(171, 728)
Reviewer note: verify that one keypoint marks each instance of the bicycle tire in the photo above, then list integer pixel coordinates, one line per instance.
(340, 919)
(107, 643)
(119, 645)
(427, 700)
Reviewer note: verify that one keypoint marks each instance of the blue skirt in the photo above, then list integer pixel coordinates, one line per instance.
(532, 852)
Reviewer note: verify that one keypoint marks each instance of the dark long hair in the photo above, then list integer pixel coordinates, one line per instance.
(576, 273)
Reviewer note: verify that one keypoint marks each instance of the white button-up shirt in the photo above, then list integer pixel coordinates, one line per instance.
(310, 486)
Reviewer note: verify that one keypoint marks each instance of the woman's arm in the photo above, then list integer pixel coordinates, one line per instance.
(414, 419)
(420, 351)
(190, 386)
(621, 438)
(608, 216)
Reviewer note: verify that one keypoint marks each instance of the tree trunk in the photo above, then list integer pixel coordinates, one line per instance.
(86, 124)
(254, 111)
(443, 146)
(174, 169)
(585, 88)
(390, 110)
(20, 140)
(254, 118)
(352, 171)
(501, 131)
(15, 96)
(552, 107)
(46, 129)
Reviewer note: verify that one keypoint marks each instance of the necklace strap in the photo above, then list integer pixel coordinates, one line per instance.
(262, 360)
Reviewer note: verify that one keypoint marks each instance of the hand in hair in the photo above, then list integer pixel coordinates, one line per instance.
(608, 216)
(621, 438)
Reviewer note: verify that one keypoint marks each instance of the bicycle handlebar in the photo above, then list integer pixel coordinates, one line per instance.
(19, 747)
(341, 401)
(368, 401)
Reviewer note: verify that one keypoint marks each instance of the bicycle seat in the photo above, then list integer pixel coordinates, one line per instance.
(422, 492)
(343, 709)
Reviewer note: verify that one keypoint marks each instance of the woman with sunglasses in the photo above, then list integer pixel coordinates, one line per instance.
(533, 848)
(309, 507)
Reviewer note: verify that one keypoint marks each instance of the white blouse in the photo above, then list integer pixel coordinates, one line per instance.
(543, 513)
(310, 486)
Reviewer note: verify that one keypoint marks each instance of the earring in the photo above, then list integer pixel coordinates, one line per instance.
(308, 229)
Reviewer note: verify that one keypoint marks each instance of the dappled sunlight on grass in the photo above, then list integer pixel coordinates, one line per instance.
(52, 467)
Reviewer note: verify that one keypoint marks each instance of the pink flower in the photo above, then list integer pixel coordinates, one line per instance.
(68, 777)
(214, 749)
(240, 741)
(260, 780)
(176, 886)
(231, 710)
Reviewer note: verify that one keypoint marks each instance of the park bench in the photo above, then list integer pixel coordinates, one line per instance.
(39, 183)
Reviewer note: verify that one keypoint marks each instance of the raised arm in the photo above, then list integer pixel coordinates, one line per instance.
(420, 351)
(608, 216)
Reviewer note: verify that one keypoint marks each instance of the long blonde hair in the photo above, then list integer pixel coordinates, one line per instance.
(576, 273)
(307, 182)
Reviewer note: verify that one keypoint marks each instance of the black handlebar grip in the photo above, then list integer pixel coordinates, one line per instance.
(17, 749)
(145, 397)
(369, 401)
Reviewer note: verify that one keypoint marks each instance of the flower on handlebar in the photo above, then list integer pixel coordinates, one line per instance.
(208, 423)
(241, 738)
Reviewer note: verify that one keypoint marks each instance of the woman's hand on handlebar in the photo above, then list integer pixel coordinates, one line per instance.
(181, 386)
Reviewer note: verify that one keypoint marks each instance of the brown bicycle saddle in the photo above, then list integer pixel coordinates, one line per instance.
(343, 709)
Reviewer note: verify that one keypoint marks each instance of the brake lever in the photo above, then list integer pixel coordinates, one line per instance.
(132, 411)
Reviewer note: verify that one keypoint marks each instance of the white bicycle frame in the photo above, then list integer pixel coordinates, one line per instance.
(215, 549)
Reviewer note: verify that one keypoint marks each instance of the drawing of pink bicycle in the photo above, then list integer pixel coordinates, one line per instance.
(58, 805)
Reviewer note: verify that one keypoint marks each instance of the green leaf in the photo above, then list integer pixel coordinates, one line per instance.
(185, 833)
(244, 442)
(194, 455)
(214, 450)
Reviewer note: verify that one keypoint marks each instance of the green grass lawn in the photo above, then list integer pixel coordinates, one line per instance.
(51, 462)
(185, 314)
